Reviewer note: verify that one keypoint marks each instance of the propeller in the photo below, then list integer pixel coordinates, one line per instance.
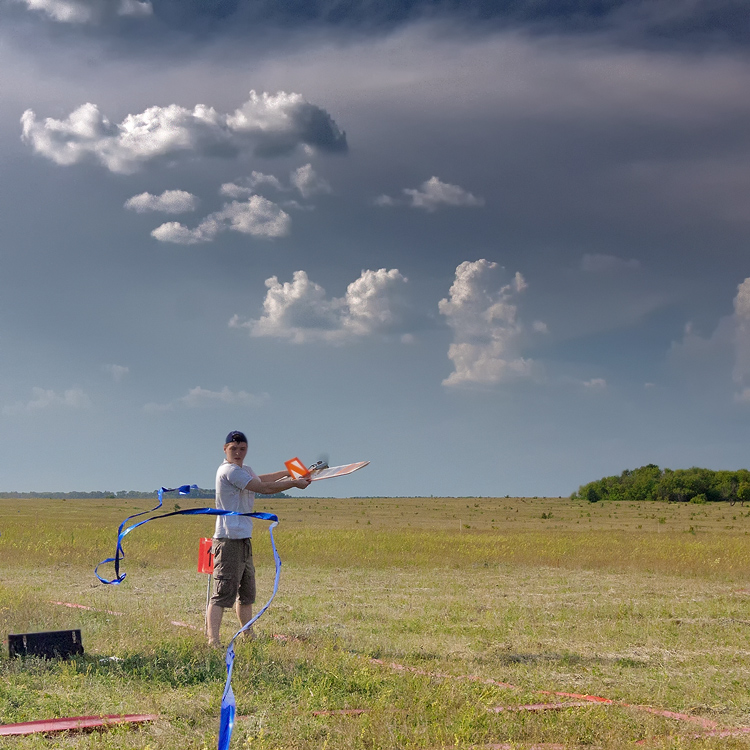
(321, 463)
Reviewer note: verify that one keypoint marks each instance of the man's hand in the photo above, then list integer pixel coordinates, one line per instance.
(303, 482)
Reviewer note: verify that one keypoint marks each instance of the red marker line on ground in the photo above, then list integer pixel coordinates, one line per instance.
(589, 698)
(730, 732)
(707, 724)
(73, 724)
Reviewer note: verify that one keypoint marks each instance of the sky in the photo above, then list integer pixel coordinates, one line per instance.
(494, 248)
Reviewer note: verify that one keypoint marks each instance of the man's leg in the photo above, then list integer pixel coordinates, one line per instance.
(244, 615)
(246, 590)
(228, 562)
(213, 618)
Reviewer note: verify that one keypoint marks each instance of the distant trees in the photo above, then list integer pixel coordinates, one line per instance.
(198, 494)
(102, 495)
(121, 495)
(681, 485)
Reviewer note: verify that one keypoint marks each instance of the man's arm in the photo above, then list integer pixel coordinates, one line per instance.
(274, 477)
(264, 487)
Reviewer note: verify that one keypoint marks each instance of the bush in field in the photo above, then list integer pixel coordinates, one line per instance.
(681, 485)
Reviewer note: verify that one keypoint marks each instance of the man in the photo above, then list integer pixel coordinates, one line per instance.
(234, 574)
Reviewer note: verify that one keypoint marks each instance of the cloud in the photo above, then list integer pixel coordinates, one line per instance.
(595, 384)
(694, 21)
(722, 358)
(88, 11)
(486, 331)
(245, 187)
(306, 180)
(300, 311)
(431, 195)
(257, 216)
(169, 202)
(199, 397)
(134, 8)
(297, 206)
(741, 371)
(385, 201)
(598, 263)
(266, 125)
(64, 11)
(118, 372)
(73, 398)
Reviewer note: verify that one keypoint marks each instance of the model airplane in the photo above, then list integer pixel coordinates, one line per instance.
(320, 469)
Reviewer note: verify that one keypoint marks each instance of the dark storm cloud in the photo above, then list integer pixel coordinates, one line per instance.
(692, 22)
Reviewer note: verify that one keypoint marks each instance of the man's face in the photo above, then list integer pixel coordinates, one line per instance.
(235, 452)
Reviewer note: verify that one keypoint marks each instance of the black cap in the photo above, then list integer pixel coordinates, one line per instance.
(235, 437)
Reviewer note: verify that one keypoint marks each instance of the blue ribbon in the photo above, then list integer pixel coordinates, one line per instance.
(119, 552)
(228, 704)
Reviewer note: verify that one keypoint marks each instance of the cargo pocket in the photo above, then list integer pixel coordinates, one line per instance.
(223, 586)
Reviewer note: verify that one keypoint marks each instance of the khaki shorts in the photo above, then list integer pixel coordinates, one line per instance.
(234, 572)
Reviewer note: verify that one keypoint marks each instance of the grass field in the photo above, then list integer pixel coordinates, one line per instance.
(386, 608)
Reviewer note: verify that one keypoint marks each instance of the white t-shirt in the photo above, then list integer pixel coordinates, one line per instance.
(232, 495)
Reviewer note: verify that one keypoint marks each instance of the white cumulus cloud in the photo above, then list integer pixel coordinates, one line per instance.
(487, 334)
(41, 398)
(741, 372)
(64, 11)
(719, 362)
(385, 201)
(169, 202)
(304, 179)
(595, 384)
(199, 397)
(134, 8)
(307, 181)
(246, 186)
(301, 312)
(266, 124)
(88, 11)
(431, 195)
(257, 216)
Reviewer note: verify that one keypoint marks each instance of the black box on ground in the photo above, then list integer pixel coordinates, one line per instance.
(56, 644)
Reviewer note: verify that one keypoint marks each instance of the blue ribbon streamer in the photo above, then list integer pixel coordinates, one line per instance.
(119, 552)
(228, 704)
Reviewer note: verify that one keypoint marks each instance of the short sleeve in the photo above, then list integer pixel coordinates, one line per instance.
(239, 476)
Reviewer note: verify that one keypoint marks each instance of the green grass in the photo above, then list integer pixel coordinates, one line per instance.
(544, 594)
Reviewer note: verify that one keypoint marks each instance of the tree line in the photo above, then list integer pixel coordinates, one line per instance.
(649, 482)
(109, 495)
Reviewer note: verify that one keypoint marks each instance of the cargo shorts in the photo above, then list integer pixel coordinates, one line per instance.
(234, 572)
